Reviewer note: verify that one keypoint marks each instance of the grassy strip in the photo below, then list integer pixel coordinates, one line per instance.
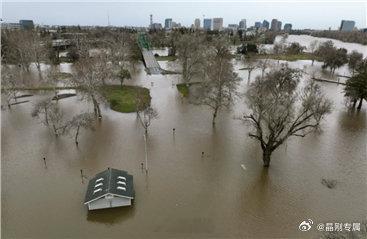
(289, 57)
(44, 88)
(168, 72)
(124, 99)
(166, 58)
(64, 75)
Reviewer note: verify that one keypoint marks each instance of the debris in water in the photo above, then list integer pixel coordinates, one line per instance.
(330, 183)
(20, 102)
(62, 96)
(23, 96)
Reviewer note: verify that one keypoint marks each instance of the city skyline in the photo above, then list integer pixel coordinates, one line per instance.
(300, 14)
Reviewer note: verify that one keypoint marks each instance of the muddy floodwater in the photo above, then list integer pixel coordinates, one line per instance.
(224, 194)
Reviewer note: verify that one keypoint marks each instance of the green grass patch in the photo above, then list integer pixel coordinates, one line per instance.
(183, 88)
(166, 58)
(64, 75)
(124, 99)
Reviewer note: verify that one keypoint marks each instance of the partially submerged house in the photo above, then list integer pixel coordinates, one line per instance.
(110, 188)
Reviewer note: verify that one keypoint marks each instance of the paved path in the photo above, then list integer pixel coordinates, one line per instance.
(150, 62)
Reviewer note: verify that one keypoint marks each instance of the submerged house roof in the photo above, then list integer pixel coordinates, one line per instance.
(111, 181)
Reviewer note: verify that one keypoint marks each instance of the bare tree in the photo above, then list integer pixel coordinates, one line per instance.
(52, 78)
(18, 48)
(89, 76)
(250, 65)
(190, 55)
(10, 82)
(50, 115)
(146, 116)
(279, 110)
(219, 89)
(123, 74)
(263, 64)
(84, 120)
(38, 50)
(313, 48)
(40, 109)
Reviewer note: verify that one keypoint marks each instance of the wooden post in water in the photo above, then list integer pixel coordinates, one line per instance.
(81, 174)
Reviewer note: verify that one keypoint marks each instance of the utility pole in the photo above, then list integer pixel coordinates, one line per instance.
(146, 153)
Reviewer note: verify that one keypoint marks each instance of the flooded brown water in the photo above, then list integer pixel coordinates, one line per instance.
(184, 195)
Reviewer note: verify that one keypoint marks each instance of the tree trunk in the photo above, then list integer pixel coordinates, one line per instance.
(360, 104)
(249, 75)
(354, 103)
(97, 110)
(214, 115)
(55, 130)
(266, 157)
(46, 116)
(76, 135)
(38, 65)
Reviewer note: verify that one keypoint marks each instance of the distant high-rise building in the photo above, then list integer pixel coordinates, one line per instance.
(257, 25)
(287, 27)
(274, 25)
(151, 20)
(168, 23)
(242, 24)
(5, 25)
(217, 24)
(197, 23)
(176, 25)
(156, 26)
(26, 24)
(207, 24)
(347, 26)
(265, 24)
(279, 25)
(233, 27)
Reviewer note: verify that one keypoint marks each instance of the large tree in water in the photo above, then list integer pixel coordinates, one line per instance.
(356, 86)
(280, 108)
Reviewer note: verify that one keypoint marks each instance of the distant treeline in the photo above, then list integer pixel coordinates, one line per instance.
(354, 36)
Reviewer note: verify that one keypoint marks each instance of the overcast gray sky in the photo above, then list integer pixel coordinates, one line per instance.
(302, 14)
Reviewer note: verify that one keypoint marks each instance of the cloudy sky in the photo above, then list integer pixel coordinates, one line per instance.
(301, 13)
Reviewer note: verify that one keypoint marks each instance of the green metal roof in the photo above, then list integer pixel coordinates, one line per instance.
(110, 181)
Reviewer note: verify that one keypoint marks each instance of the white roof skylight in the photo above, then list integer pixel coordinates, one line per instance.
(100, 179)
(99, 184)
